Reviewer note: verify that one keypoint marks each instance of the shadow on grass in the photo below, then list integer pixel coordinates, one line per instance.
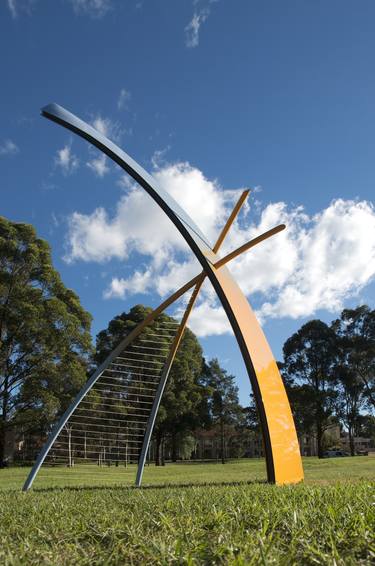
(146, 487)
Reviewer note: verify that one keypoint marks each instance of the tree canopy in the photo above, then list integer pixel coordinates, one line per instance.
(178, 412)
(309, 357)
(45, 356)
(45, 339)
(223, 403)
(329, 372)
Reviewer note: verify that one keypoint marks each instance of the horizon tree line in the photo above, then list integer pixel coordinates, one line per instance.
(46, 355)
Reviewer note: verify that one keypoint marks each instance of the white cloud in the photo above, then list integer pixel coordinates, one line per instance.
(193, 27)
(16, 6)
(8, 147)
(92, 239)
(111, 130)
(99, 165)
(66, 160)
(108, 128)
(123, 99)
(138, 225)
(143, 227)
(93, 8)
(209, 319)
(140, 282)
(317, 263)
(12, 8)
(335, 259)
(158, 157)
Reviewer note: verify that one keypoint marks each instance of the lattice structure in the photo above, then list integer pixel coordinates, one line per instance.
(109, 423)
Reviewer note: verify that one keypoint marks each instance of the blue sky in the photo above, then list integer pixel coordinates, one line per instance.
(212, 97)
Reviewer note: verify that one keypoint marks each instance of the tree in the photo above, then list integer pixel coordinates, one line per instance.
(119, 327)
(354, 358)
(367, 426)
(181, 402)
(301, 400)
(223, 402)
(309, 357)
(45, 341)
(356, 331)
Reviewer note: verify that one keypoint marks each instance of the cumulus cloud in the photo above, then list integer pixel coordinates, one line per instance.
(193, 27)
(319, 262)
(141, 226)
(334, 260)
(66, 160)
(137, 225)
(8, 147)
(93, 8)
(207, 318)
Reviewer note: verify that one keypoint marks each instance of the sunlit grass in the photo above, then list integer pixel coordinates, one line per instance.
(316, 471)
(329, 519)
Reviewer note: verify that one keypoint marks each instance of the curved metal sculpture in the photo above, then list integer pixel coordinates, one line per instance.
(281, 447)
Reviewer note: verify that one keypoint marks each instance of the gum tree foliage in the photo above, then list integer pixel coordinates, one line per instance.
(223, 403)
(179, 410)
(355, 366)
(45, 341)
(356, 332)
(301, 401)
(309, 359)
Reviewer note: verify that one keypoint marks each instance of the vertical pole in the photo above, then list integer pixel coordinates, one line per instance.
(69, 431)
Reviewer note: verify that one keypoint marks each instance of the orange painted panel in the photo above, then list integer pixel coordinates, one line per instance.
(283, 437)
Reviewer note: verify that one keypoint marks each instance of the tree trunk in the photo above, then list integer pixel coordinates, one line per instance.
(174, 448)
(157, 449)
(2, 444)
(222, 441)
(351, 440)
(319, 438)
(163, 452)
(3, 422)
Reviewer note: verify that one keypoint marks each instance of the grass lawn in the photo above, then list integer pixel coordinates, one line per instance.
(327, 520)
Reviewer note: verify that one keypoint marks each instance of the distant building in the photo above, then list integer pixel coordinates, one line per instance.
(237, 444)
(361, 444)
(308, 442)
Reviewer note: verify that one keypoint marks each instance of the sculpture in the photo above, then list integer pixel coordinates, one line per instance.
(135, 360)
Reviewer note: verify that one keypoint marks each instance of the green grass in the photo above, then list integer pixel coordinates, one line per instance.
(330, 519)
(316, 471)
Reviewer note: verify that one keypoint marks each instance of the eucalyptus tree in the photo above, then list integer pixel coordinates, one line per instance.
(224, 405)
(355, 366)
(309, 360)
(45, 340)
(356, 330)
(180, 405)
